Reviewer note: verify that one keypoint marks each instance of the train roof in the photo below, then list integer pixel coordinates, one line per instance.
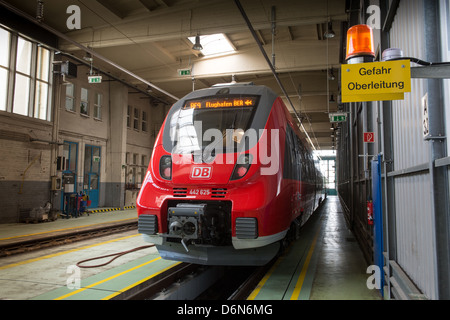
(247, 88)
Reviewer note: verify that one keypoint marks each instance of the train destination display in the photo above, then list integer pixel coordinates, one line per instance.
(220, 103)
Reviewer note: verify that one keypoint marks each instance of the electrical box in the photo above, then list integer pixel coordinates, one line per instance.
(69, 69)
(56, 183)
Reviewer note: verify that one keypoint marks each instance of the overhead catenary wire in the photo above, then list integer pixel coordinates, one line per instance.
(126, 36)
(86, 49)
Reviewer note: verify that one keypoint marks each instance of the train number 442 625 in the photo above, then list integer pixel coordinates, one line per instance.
(201, 192)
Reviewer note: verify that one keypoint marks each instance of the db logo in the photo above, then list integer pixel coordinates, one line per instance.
(201, 173)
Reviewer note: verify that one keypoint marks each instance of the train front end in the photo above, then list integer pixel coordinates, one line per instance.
(207, 197)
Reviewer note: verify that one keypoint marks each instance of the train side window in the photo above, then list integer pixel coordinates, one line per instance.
(288, 155)
(303, 154)
(294, 159)
(298, 160)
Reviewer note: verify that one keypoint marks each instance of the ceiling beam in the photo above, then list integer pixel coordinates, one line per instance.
(261, 37)
(150, 5)
(107, 4)
(249, 62)
(185, 23)
(86, 49)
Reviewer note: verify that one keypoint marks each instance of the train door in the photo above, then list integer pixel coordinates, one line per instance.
(92, 174)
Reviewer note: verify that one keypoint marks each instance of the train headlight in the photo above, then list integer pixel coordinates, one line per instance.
(242, 166)
(165, 167)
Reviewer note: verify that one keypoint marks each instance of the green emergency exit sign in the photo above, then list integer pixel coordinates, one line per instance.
(95, 79)
(338, 117)
(184, 72)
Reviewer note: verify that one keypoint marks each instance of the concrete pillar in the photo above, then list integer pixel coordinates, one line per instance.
(116, 145)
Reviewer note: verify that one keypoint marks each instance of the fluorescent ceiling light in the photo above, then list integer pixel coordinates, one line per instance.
(214, 44)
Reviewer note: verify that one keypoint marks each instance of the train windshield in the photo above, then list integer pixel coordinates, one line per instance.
(212, 123)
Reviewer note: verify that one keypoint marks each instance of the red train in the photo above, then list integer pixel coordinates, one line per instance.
(230, 178)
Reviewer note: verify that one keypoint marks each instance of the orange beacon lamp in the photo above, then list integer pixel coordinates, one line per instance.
(360, 42)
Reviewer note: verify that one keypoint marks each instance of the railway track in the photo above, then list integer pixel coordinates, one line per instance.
(32, 243)
(195, 282)
(184, 281)
(162, 283)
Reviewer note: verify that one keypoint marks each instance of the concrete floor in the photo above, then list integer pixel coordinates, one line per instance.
(16, 230)
(28, 275)
(341, 269)
(325, 263)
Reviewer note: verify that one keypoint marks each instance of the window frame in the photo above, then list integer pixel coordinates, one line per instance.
(129, 111)
(31, 105)
(144, 121)
(7, 68)
(71, 97)
(86, 101)
(47, 82)
(136, 117)
(25, 75)
(98, 105)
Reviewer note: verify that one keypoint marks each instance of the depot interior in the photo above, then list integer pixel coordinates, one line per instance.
(85, 86)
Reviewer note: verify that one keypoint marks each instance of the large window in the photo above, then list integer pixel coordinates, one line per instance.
(5, 40)
(22, 77)
(25, 77)
(3, 88)
(42, 96)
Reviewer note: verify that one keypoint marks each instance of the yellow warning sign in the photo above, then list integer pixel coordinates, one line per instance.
(375, 81)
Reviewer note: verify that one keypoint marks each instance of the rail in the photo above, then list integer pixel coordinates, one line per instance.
(28, 244)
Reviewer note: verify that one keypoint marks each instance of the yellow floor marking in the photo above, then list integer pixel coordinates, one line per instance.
(258, 288)
(301, 278)
(104, 280)
(64, 252)
(139, 282)
(57, 230)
